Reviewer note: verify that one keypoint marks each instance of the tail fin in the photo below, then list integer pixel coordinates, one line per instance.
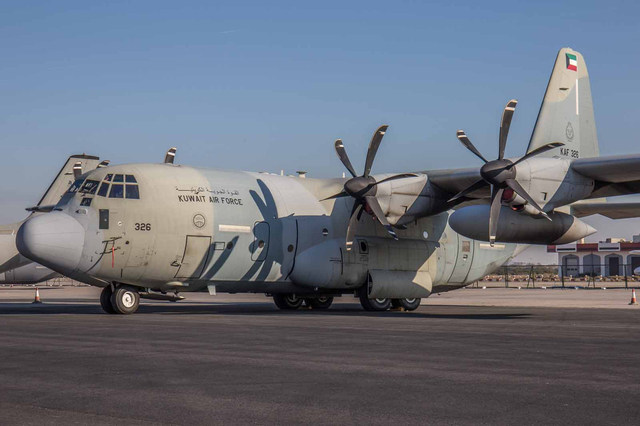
(64, 179)
(566, 113)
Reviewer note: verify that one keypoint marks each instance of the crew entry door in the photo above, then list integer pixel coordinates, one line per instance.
(196, 252)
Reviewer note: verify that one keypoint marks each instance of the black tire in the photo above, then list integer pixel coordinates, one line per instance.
(320, 302)
(105, 300)
(287, 301)
(376, 305)
(409, 304)
(125, 300)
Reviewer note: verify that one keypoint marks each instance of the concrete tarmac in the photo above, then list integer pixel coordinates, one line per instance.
(239, 360)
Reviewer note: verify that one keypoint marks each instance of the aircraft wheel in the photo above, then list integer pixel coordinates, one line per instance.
(372, 304)
(125, 300)
(287, 301)
(321, 302)
(105, 300)
(407, 304)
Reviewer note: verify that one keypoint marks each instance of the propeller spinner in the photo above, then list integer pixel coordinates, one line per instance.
(364, 188)
(500, 174)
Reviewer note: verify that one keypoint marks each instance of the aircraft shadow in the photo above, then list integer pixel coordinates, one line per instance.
(265, 309)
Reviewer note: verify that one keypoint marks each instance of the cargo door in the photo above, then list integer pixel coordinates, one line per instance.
(196, 252)
(463, 260)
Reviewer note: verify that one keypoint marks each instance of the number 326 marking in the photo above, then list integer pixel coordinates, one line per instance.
(142, 227)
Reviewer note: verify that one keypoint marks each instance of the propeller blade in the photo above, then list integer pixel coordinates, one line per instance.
(394, 177)
(373, 148)
(338, 195)
(539, 150)
(342, 155)
(353, 222)
(513, 184)
(170, 155)
(462, 137)
(507, 115)
(77, 169)
(477, 185)
(494, 215)
(372, 202)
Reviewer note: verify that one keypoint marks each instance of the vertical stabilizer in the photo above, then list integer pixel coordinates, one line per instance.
(566, 113)
(65, 178)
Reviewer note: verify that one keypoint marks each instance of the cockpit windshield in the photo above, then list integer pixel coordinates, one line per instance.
(119, 186)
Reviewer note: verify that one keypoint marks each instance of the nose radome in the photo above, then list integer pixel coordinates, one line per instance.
(53, 239)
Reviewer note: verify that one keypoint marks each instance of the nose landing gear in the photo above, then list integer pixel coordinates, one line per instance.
(123, 300)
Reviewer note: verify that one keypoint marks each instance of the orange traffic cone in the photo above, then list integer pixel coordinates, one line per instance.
(633, 297)
(37, 298)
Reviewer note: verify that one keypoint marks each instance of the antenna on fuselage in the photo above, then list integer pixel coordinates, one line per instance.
(170, 155)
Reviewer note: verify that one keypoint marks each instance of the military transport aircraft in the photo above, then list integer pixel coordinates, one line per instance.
(156, 230)
(15, 268)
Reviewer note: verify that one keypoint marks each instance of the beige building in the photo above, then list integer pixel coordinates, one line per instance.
(615, 256)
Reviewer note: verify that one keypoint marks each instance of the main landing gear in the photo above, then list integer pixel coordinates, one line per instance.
(123, 300)
(292, 301)
(384, 304)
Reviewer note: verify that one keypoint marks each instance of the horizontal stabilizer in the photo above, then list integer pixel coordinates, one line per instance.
(610, 210)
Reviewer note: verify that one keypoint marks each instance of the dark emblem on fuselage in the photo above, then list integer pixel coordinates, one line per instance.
(569, 132)
(199, 220)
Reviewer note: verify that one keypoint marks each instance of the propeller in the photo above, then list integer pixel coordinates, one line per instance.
(364, 188)
(500, 174)
(77, 169)
(170, 155)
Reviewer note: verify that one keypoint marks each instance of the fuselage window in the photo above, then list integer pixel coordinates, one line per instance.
(76, 185)
(132, 192)
(89, 187)
(118, 178)
(108, 177)
(104, 189)
(117, 191)
(130, 179)
(86, 202)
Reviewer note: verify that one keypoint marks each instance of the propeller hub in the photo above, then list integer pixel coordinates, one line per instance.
(359, 187)
(496, 172)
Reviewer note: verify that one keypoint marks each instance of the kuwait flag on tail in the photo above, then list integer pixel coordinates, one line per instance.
(572, 62)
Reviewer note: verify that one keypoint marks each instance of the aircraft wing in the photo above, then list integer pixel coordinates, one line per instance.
(610, 210)
(612, 169)
(453, 181)
(614, 175)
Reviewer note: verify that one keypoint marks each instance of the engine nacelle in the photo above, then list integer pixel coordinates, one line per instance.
(31, 273)
(519, 227)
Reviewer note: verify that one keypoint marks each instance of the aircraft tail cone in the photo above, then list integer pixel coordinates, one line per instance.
(633, 297)
(37, 297)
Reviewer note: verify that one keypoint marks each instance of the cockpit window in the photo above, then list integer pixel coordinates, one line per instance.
(75, 186)
(104, 189)
(132, 192)
(89, 187)
(117, 190)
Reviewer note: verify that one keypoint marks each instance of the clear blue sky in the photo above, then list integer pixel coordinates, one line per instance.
(270, 85)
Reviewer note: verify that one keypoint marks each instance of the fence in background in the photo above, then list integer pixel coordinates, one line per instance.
(532, 276)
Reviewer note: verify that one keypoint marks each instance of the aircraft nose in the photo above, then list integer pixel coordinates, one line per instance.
(53, 239)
